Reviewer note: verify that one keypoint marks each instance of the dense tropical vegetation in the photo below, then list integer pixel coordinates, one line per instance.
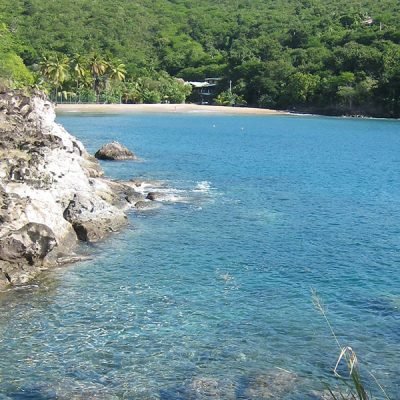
(310, 55)
(98, 79)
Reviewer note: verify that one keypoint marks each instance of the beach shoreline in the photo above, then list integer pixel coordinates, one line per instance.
(163, 108)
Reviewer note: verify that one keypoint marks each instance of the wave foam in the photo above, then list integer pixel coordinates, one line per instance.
(203, 186)
(168, 194)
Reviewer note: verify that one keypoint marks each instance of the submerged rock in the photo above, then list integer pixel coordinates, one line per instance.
(271, 385)
(202, 388)
(132, 196)
(153, 196)
(72, 258)
(114, 151)
(146, 205)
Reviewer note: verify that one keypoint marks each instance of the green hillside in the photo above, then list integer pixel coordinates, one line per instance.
(311, 55)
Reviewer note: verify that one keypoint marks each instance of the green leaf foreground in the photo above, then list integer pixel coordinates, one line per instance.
(356, 386)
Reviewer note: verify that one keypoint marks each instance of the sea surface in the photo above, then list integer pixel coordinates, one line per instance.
(210, 295)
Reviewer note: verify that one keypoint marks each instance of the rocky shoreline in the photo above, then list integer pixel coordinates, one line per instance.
(52, 192)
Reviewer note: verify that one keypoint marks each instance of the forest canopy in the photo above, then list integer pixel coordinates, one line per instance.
(309, 55)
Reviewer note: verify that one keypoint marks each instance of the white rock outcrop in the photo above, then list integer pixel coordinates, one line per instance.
(52, 192)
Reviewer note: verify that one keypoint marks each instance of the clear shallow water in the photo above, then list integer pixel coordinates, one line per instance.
(210, 297)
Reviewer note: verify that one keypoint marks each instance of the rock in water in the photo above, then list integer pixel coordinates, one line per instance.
(274, 384)
(90, 221)
(114, 151)
(52, 192)
(146, 205)
(153, 196)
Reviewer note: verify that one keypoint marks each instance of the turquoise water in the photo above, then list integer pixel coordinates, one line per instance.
(210, 296)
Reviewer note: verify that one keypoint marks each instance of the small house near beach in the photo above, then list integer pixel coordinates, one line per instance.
(204, 92)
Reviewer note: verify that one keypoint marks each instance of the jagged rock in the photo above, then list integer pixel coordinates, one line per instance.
(136, 182)
(92, 218)
(51, 190)
(30, 243)
(92, 167)
(153, 196)
(123, 193)
(114, 151)
(15, 274)
(93, 231)
(146, 205)
(78, 207)
(132, 196)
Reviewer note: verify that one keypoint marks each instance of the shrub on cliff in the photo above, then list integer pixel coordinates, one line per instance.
(13, 71)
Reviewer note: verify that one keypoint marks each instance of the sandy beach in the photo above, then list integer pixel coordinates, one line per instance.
(162, 108)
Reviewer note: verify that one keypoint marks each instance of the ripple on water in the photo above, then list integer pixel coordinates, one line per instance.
(209, 295)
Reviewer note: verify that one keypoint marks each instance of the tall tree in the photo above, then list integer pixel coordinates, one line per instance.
(55, 68)
(117, 70)
(79, 72)
(98, 67)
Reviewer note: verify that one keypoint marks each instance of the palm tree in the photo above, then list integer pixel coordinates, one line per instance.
(79, 71)
(98, 67)
(55, 69)
(133, 91)
(116, 72)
